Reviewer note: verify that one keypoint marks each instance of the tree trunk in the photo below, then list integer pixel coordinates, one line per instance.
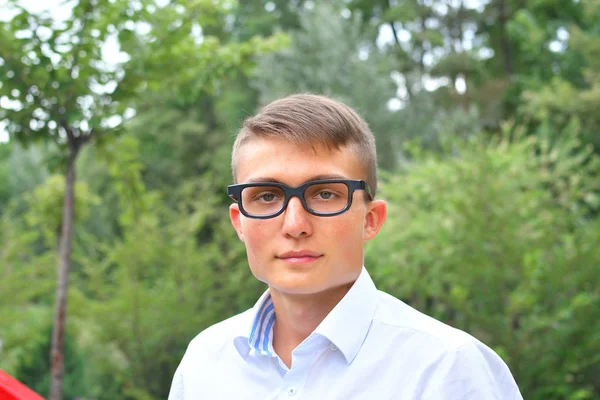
(62, 282)
(505, 43)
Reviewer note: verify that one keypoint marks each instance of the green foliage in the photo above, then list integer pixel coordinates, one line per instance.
(20, 170)
(331, 55)
(34, 362)
(44, 205)
(26, 286)
(27, 350)
(53, 73)
(423, 122)
(23, 260)
(561, 101)
(57, 81)
(156, 264)
(264, 17)
(496, 241)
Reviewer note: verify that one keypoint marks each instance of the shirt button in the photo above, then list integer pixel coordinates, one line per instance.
(333, 347)
(291, 391)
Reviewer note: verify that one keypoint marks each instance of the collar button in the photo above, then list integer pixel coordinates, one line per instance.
(291, 391)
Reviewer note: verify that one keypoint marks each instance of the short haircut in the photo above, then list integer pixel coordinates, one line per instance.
(312, 120)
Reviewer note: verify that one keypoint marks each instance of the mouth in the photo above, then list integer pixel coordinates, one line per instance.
(299, 257)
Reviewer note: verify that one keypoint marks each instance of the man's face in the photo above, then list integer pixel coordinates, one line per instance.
(297, 252)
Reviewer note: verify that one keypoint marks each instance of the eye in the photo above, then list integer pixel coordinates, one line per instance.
(268, 197)
(326, 195)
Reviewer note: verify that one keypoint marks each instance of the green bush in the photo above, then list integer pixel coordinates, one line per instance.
(500, 240)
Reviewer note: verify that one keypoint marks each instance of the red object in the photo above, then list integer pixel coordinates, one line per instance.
(12, 389)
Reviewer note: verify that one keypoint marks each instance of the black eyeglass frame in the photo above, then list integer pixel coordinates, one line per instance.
(235, 192)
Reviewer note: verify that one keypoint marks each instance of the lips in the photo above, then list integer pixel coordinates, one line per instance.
(300, 256)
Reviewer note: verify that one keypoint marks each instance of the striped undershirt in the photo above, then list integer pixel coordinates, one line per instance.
(260, 339)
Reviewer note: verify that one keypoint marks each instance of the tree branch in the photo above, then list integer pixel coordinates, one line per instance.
(397, 40)
(395, 32)
(87, 137)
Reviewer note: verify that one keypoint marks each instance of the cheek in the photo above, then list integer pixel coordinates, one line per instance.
(256, 236)
(348, 235)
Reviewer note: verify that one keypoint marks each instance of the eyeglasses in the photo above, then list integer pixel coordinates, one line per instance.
(324, 198)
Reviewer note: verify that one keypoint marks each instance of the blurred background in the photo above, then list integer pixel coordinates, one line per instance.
(487, 119)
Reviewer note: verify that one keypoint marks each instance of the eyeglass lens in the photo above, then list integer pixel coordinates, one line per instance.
(322, 198)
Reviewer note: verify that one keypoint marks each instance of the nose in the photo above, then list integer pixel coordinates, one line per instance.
(296, 220)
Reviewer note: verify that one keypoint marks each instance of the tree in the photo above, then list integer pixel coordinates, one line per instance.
(30, 228)
(331, 55)
(429, 40)
(572, 95)
(528, 45)
(61, 90)
(175, 268)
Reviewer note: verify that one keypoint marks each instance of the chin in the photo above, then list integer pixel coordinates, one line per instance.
(298, 289)
(304, 287)
(294, 285)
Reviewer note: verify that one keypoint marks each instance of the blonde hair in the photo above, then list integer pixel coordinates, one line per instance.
(312, 119)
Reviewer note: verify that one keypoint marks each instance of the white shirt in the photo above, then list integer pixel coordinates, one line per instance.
(370, 346)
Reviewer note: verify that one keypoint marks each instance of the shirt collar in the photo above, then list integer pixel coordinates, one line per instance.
(346, 326)
(257, 325)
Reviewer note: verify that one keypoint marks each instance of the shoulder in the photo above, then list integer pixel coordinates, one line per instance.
(400, 316)
(217, 339)
(457, 365)
(472, 372)
(209, 349)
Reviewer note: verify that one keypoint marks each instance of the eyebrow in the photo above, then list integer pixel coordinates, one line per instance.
(312, 178)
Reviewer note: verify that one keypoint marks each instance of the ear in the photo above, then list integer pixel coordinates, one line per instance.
(374, 219)
(234, 216)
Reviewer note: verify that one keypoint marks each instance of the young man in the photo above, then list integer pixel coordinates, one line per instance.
(306, 177)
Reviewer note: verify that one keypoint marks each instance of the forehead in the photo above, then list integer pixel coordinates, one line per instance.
(294, 163)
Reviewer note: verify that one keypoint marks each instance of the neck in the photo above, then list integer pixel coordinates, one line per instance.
(297, 316)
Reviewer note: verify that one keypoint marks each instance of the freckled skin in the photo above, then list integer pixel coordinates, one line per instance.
(339, 239)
